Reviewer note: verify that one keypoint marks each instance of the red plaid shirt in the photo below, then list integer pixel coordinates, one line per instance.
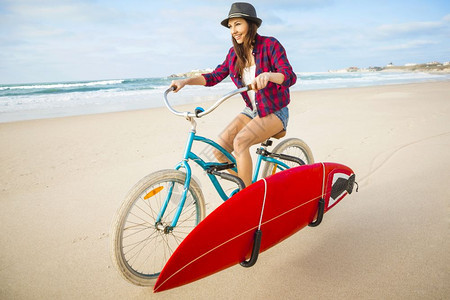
(270, 56)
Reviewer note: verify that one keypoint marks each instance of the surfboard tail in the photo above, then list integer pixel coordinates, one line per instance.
(338, 183)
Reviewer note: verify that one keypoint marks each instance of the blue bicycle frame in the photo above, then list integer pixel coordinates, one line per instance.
(189, 155)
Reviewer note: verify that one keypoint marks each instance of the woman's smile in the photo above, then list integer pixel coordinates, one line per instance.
(238, 38)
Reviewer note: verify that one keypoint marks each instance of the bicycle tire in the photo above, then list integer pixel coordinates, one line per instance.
(293, 147)
(140, 247)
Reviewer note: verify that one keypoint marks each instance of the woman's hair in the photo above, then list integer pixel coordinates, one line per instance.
(243, 50)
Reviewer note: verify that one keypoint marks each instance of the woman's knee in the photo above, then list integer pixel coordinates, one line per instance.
(241, 143)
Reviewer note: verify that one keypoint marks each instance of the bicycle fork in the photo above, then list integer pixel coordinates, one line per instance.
(187, 182)
(183, 197)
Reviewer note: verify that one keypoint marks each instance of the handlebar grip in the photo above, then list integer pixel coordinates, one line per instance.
(198, 110)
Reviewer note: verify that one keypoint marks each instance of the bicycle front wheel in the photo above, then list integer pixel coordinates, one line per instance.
(141, 245)
(293, 147)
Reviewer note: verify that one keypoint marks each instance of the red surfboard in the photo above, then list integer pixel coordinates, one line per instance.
(275, 208)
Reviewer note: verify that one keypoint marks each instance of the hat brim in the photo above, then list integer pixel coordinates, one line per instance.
(258, 21)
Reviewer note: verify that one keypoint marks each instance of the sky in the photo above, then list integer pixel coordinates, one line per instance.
(70, 40)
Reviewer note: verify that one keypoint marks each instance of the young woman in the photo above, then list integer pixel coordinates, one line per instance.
(261, 62)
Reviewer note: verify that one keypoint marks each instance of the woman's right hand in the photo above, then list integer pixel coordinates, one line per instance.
(178, 84)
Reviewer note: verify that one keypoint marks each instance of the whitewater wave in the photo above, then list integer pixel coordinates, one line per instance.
(41, 100)
(61, 85)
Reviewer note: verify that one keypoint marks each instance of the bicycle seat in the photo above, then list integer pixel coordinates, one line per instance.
(279, 135)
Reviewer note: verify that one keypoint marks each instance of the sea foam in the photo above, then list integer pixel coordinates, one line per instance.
(57, 99)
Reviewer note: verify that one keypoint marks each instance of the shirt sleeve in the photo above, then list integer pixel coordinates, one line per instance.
(220, 73)
(282, 65)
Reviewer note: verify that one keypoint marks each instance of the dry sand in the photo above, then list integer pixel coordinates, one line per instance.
(62, 180)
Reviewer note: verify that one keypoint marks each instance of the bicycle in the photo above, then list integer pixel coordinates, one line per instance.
(163, 207)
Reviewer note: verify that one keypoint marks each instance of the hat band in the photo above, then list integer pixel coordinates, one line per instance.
(238, 15)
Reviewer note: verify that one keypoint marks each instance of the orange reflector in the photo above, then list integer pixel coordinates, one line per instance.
(274, 169)
(153, 192)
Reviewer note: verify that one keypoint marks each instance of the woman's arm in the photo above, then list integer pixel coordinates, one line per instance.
(208, 79)
(281, 63)
(179, 84)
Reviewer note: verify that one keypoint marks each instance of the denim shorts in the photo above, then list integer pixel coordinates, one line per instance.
(282, 114)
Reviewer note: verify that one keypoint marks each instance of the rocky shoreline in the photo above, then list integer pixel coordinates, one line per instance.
(433, 67)
(428, 68)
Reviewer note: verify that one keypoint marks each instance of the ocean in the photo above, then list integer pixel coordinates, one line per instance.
(59, 99)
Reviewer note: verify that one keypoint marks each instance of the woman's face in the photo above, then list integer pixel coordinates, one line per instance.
(238, 28)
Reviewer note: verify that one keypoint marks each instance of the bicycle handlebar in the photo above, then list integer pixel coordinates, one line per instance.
(187, 114)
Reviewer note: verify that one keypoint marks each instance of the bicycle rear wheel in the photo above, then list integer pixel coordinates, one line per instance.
(140, 245)
(293, 147)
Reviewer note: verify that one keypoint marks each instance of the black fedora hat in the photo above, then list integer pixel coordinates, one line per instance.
(242, 10)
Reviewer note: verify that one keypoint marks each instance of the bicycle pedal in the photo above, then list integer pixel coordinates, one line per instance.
(221, 167)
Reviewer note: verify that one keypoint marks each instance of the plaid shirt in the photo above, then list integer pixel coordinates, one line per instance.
(270, 56)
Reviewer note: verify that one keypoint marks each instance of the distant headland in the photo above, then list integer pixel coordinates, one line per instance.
(191, 73)
(431, 67)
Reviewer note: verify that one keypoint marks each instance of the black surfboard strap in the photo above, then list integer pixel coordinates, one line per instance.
(258, 233)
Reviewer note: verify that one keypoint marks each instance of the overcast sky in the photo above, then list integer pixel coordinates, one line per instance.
(64, 40)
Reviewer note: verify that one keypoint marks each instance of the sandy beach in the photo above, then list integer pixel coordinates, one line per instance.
(62, 180)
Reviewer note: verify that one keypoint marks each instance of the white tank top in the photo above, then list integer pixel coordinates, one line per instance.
(248, 77)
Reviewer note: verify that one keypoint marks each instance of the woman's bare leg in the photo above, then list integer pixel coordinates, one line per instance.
(227, 136)
(254, 132)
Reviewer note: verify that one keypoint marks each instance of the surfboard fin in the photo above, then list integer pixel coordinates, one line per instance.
(343, 185)
(255, 251)
(351, 183)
